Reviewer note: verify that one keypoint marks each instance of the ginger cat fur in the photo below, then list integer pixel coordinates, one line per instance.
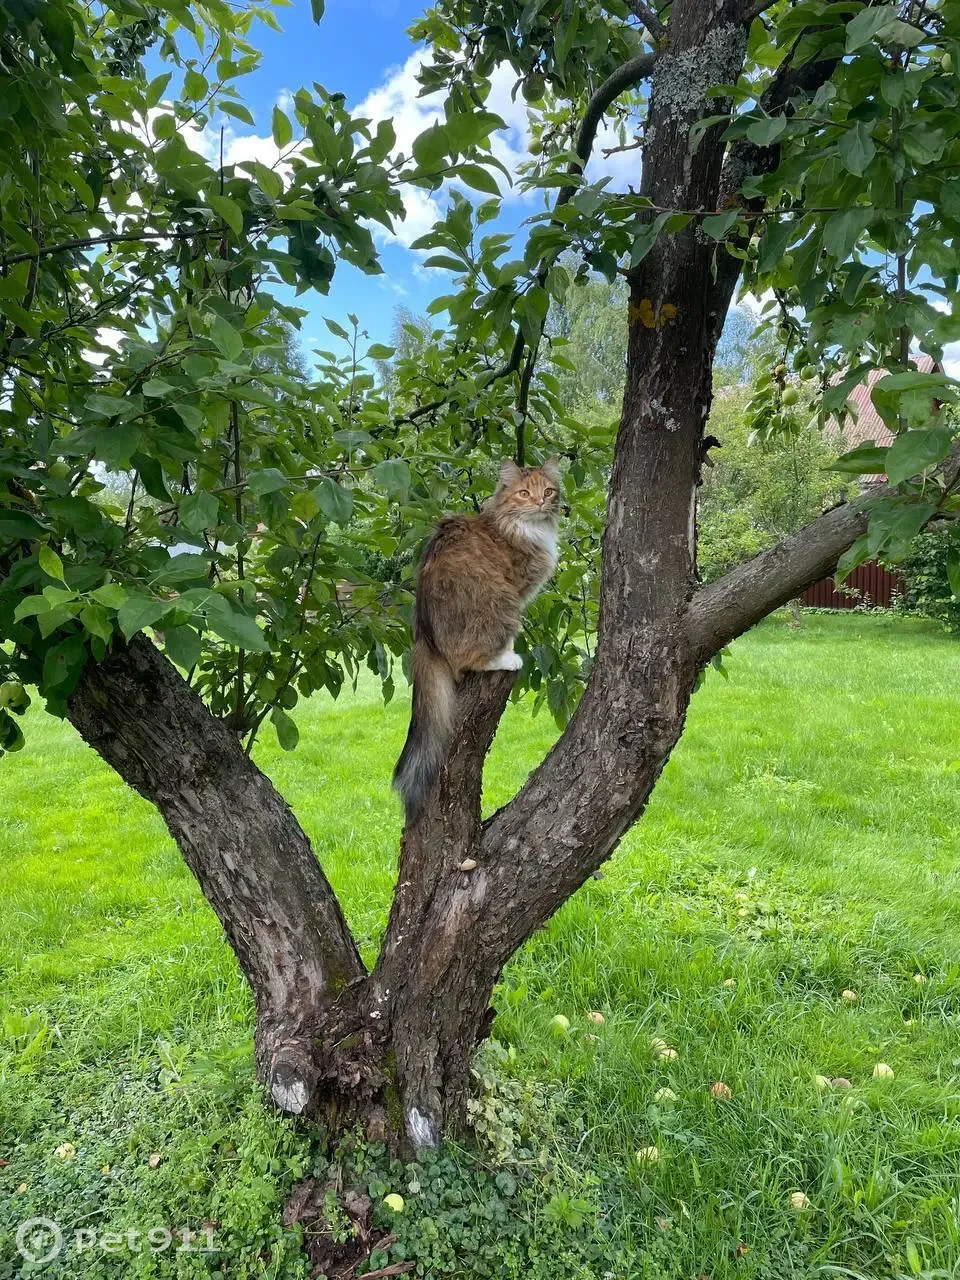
(476, 575)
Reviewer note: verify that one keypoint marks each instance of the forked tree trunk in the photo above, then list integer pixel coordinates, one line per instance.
(393, 1048)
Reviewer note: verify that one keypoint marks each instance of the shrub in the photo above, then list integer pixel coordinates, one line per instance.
(935, 560)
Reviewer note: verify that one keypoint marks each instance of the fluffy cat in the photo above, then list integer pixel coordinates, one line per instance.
(477, 574)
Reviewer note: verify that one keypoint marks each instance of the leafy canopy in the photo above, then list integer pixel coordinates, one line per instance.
(146, 292)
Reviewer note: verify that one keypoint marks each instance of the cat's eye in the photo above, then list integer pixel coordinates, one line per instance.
(549, 493)
(523, 493)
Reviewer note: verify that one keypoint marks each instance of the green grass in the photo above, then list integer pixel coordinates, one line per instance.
(803, 840)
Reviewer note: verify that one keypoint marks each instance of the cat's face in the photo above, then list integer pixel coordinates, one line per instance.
(530, 493)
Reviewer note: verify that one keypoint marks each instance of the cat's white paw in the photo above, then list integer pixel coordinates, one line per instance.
(508, 661)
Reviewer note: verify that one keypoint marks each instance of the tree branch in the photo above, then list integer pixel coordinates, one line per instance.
(625, 77)
(90, 242)
(631, 73)
(720, 612)
(746, 158)
(650, 18)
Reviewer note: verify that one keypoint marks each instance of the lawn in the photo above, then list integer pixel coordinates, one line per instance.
(802, 844)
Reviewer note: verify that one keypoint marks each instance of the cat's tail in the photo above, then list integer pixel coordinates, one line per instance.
(431, 725)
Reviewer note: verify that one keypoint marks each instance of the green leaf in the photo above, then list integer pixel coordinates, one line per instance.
(923, 144)
(868, 459)
(646, 237)
(393, 475)
(116, 444)
(288, 735)
(158, 389)
(195, 85)
(226, 339)
(151, 476)
(718, 224)
(156, 89)
(336, 503)
(96, 620)
(446, 262)
(268, 481)
(108, 406)
(914, 451)
(893, 88)
(183, 646)
(765, 132)
(470, 128)
(139, 611)
(337, 330)
(270, 183)
(50, 563)
(236, 109)
(112, 595)
(384, 140)
(379, 352)
(532, 310)
(316, 9)
(867, 24)
(857, 148)
(31, 607)
(14, 696)
(64, 664)
(17, 524)
(474, 175)
(239, 630)
(229, 211)
(842, 231)
(11, 735)
(904, 34)
(199, 511)
(282, 128)
(431, 147)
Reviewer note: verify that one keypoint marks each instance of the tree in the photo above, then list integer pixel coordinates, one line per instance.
(804, 150)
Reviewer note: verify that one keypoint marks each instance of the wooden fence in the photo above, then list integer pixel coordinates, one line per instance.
(869, 584)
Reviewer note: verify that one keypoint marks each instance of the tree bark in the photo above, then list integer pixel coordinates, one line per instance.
(243, 844)
(432, 982)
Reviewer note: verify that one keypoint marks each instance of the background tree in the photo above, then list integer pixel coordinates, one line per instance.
(756, 493)
(807, 151)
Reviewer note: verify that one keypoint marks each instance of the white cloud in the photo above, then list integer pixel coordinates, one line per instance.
(951, 359)
(398, 98)
(623, 167)
(237, 147)
(107, 337)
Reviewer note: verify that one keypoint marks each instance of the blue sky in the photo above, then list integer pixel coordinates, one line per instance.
(361, 49)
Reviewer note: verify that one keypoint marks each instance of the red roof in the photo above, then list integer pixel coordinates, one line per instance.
(868, 425)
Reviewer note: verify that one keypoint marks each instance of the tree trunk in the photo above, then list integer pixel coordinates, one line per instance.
(246, 849)
(392, 1051)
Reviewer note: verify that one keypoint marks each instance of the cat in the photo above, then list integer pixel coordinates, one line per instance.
(476, 575)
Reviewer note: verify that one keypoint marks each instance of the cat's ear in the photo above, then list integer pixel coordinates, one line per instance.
(551, 469)
(510, 473)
